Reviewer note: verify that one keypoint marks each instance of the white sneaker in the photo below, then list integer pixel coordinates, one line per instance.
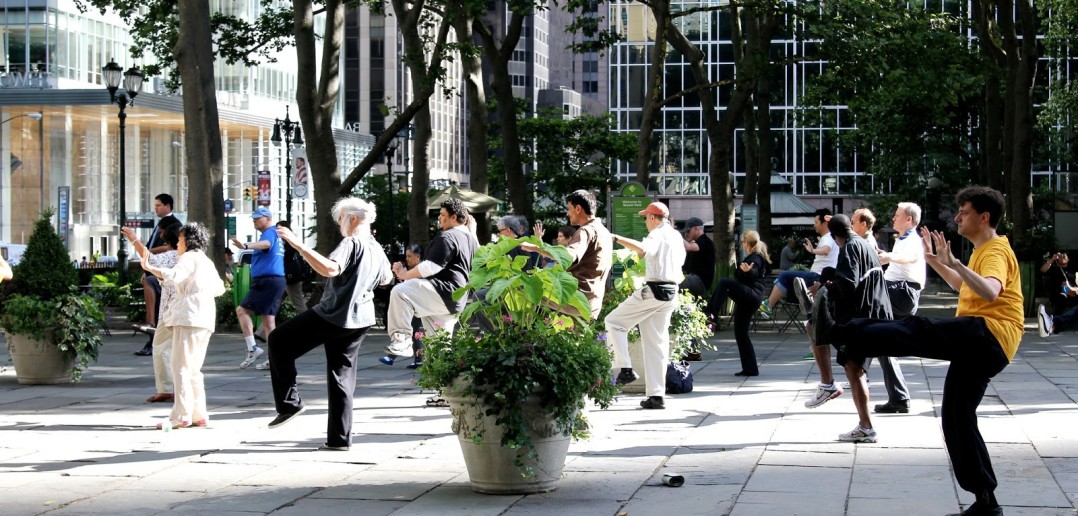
(263, 366)
(804, 298)
(823, 395)
(400, 348)
(858, 435)
(1045, 325)
(251, 357)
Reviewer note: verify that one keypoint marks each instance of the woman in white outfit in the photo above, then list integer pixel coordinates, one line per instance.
(193, 316)
(162, 335)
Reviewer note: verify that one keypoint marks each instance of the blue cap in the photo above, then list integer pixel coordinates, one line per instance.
(262, 211)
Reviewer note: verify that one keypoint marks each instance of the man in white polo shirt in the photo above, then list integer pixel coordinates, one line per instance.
(905, 277)
(650, 307)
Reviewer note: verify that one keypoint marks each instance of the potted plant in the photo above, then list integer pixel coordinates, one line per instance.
(52, 330)
(689, 325)
(517, 393)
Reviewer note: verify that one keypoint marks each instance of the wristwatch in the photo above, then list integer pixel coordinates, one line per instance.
(245, 245)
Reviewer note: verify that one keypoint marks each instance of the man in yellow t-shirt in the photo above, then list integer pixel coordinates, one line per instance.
(979, 342)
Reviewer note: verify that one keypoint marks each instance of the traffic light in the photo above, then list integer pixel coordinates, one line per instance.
(248, 193)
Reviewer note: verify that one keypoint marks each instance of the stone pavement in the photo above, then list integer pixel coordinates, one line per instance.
(745, 446)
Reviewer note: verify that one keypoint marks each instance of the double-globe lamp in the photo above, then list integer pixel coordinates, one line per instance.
(132, 86)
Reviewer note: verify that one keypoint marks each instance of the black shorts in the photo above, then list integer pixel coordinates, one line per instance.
(264, 297)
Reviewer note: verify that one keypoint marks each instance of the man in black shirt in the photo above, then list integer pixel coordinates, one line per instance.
(427, 289)
(700, 257)
(151, 287)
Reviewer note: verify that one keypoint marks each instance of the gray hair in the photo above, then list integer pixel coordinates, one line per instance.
(354, 207)
(514, 223)
(911, 210)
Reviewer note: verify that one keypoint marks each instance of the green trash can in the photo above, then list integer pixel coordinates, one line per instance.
(241, 283)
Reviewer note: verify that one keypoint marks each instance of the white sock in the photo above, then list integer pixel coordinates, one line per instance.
(250, 341)
(827, 385)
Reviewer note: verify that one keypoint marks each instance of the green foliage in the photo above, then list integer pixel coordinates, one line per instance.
(155, 24)
(533, 350)
(1061, 107)
(45, 304)
(570, 154)
(45, 270)
(1042, 241)
(911, 81)
(226, 310)
(390, 225)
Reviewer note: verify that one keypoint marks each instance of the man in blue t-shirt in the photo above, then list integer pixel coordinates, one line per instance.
(267, 283)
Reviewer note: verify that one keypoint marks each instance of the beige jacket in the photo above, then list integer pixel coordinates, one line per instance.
(197, 284)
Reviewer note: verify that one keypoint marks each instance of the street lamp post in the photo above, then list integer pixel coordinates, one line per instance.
(132, 83)
(391, 150)
(292, 135)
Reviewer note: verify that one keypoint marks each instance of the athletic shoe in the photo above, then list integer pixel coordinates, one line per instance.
(415, 365)
(894, 407)
(804, 298)
(282, 419)
(251, 357)
(1045, 325)
(400, 348)
(627, 375)
(823, 395)
(653, 403)
(326, 447)
(387, 360)
(858, 435)
(264, 366)
(764, 309)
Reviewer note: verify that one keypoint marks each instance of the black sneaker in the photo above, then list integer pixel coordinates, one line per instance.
(282, 419)
(896, 407)
(653, 402)
(327, 447)
(627, 375)
(146, 350)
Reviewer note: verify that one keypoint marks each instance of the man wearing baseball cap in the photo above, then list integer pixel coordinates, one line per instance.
(650, 307)
(267, 282)
(700, 257)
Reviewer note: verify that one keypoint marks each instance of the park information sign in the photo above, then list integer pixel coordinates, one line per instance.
(750, 217)
(626, 204)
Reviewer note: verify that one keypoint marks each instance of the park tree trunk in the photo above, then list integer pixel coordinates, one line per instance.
(653, 96)
(202, 139)
(760, 29)
(498, 54)
(316, 96)
(476, 96)
(720, 133)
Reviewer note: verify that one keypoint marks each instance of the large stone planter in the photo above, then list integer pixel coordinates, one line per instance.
(490, 465)
(636, 356)
(39, 362)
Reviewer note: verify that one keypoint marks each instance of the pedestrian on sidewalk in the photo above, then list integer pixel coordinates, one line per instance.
(162, 335)
(856, 289)
(905, 276)
(746, 289)
(267, 284)
(979, 342)
(413, 254)
(339, 322)
(194, 317)
(650, 307)
(151, 287)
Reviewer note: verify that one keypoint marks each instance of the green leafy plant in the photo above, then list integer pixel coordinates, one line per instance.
(45, 304)
(533, 350)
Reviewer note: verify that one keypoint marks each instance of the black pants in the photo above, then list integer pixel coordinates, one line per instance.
(294, 339)
(975, 357)
(746, 303)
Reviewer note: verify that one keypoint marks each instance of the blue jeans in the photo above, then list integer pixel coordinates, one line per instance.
(785, 281)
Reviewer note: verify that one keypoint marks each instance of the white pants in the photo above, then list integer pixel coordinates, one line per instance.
(162, 357)
(653, 317)
(416, 298)
(188, 353)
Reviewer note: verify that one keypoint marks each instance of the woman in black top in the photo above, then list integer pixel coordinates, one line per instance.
(746, 289)
(1059, 282)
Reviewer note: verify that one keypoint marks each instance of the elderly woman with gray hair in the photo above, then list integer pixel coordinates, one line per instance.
(339, 322)
(193, 316)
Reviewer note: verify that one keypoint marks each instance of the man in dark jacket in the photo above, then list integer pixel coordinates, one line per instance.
(857, 289)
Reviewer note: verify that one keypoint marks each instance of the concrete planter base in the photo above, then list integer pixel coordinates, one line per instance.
(39, 362)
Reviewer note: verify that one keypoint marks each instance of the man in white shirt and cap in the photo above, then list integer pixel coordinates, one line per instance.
(650, 307)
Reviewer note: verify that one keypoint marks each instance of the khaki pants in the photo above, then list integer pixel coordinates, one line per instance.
(189, 352)
(416, 298)
(162, 358)
(653, 317)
